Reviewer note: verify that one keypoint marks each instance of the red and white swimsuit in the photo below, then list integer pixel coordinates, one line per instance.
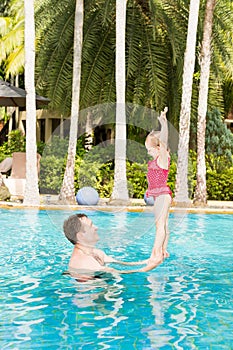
(157, 179)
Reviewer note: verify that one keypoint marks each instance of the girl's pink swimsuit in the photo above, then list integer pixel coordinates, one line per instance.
(157, 180)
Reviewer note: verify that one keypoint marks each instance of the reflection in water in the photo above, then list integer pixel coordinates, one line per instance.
(158, 335)
(178, 220)
(184, 308)
(103, 299)
(178, 309)
(157, 286)
(23, 308)
(186, 303)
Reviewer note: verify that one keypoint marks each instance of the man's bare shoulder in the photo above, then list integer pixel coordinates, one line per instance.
(106, 258)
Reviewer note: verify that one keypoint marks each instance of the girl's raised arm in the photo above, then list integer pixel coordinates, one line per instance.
(163, 136)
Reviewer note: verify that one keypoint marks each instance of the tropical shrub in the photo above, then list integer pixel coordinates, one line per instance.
(96, 168)
(137, 182)
(220, 185)
(219, 142)
(53, 163)
(51, 174)
(105, 179)
(16, 143)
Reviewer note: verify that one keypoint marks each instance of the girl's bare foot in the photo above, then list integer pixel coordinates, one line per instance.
(152, 263)
(166, 254)
(155, 259)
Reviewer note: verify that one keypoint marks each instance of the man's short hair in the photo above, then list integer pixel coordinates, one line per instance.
(72, 226)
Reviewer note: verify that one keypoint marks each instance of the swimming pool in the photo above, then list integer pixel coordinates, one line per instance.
(186, 303)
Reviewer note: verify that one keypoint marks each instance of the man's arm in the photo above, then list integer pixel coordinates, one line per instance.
(143, 269)
(151, 264)
(110, 259)
(131, 263)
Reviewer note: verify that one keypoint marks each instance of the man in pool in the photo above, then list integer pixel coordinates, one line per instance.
(81, 232)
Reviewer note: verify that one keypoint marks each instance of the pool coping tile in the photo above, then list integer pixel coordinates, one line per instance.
(50, 202)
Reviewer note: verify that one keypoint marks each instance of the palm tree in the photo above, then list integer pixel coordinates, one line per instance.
(31, 196)
(155, 42)
(200, 192)
(149, 53)
(155, 45)
(67, 193)
(120, 190)
(181, 191)
(12, 39)
(3, 6)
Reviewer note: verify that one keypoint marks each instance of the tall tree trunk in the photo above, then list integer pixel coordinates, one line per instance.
(88, 133)
(67, 193)
(120, 190)
(31, 195)
(181, 191)
(200, 191)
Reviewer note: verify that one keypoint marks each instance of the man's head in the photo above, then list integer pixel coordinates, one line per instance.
(72, 226)
(78, 228)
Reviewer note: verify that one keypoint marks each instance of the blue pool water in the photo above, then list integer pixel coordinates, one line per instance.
(186, 303)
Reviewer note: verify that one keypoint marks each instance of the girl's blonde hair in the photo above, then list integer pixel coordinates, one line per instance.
(153, 136)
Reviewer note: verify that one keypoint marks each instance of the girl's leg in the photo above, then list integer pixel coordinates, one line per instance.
(165, 252)
(161, 210)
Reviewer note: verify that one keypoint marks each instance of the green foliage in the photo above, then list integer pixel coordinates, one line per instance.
(3, 7)
(56, 147)
(16, 143)
(105, 179)
(12, 39)
(91, 166)
(96, 168)
(228, 94)
(220, 185)
(191, 173)
(101, 177)
(218, 179)
(155, 45)
(172, 173)
(219, 159)
(85, 173)
(219, 141)
(40, 147)
(137, 182)
(3, 115)
(51, 174)
(52, 165)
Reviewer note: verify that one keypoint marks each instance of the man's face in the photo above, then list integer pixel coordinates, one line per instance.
(89, 232)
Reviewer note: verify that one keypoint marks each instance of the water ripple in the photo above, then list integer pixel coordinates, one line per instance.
(185, 303)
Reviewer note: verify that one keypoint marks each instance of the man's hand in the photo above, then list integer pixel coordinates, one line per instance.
(152, 263)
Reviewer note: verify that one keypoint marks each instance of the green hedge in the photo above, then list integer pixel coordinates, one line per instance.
(220, 185)
(96, 169)
(16, 143)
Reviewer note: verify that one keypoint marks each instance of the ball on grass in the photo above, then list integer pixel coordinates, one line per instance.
(87, 196)
(149, 200)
